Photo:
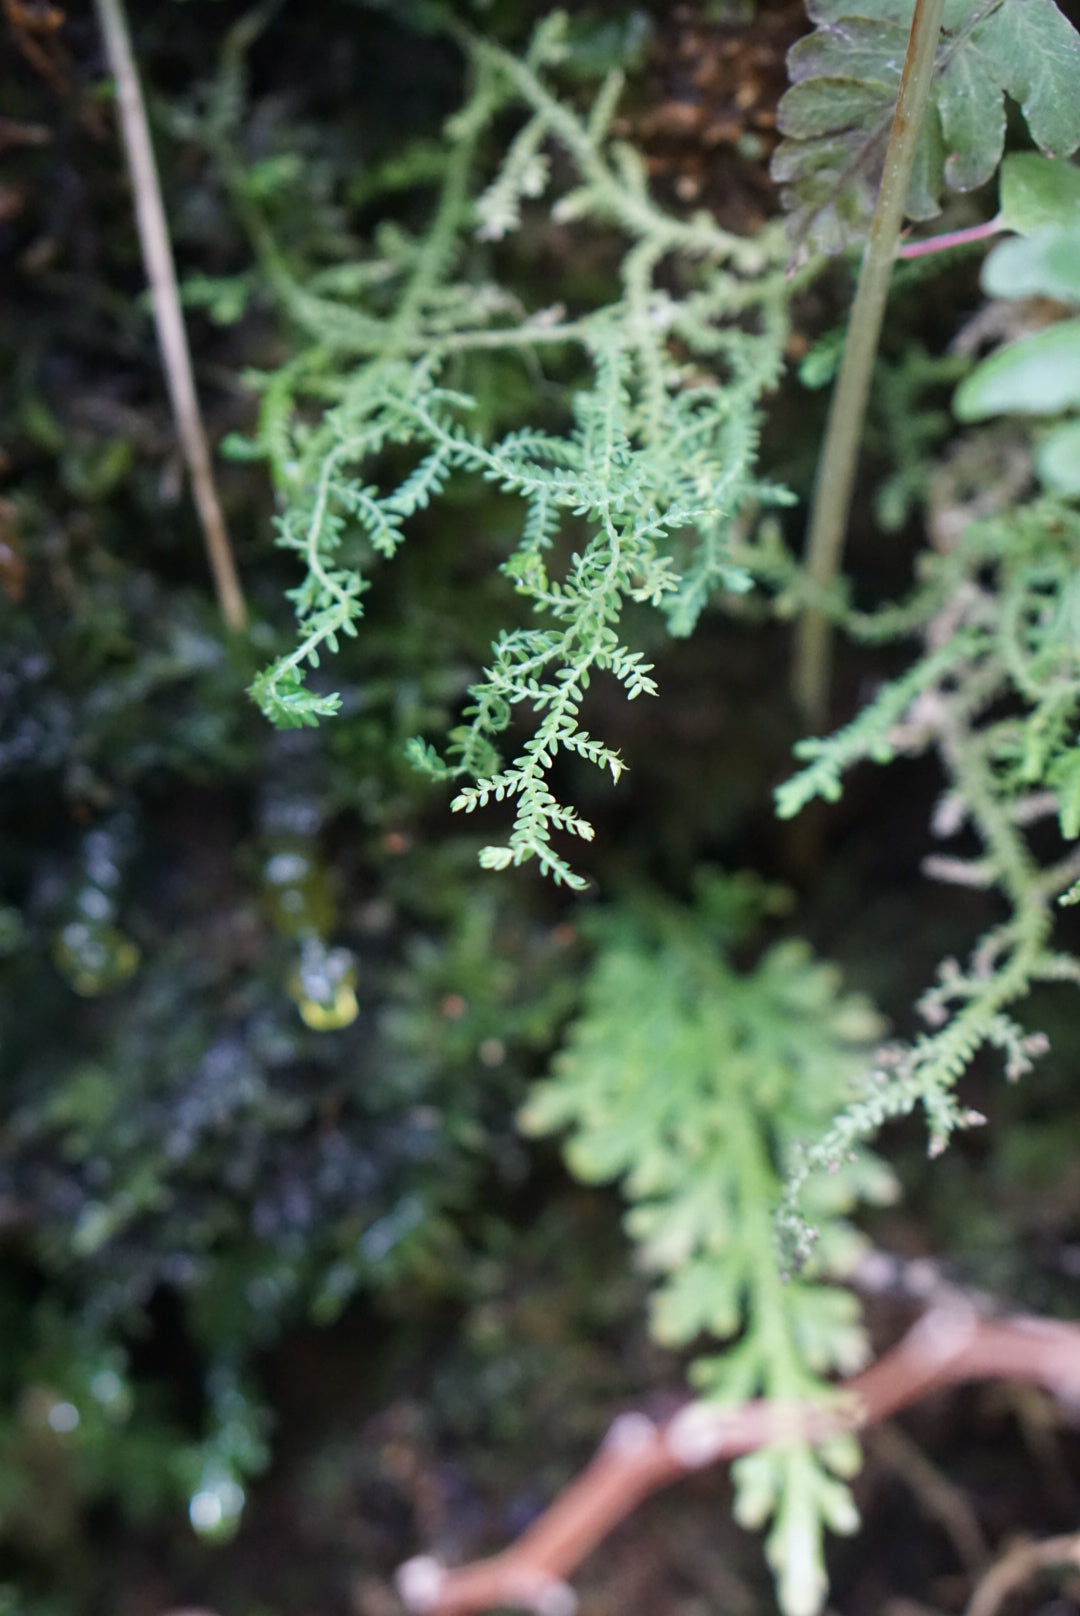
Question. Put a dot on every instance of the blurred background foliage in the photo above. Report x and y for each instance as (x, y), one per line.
(263, 1029)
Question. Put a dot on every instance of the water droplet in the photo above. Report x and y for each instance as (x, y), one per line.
(108, 1389)
(94, 904)
(63, 1417)
(215, 1507)
(93, 958)
(342, 1011)
(283, 869)
(323, 986)
(205, 1511)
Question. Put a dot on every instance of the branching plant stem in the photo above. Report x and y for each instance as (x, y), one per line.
(950, 1344)
(831, 503)
(168, 317)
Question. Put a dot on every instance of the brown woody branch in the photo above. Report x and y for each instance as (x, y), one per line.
(949, 1344)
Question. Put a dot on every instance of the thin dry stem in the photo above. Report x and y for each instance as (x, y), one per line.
(168, 317)
(1018, 1566)
(939, 1498)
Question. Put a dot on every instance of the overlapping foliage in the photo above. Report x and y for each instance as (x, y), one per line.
(648, 479)
(845, 77)
(996, 693)
(656, 462)
(273, 1117)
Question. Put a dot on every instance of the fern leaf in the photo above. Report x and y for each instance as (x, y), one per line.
(689, 1082)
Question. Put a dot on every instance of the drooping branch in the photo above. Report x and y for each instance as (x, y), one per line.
(951, 1343)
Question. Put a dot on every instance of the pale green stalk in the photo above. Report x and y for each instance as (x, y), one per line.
(836, 469)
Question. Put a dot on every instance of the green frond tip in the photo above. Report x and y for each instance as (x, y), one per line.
(503, 858)
(1064, 776)
(871, 735)
(426, 760)
(283, 698)
(235, 446)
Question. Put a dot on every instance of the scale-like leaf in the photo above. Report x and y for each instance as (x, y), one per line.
(845, 78)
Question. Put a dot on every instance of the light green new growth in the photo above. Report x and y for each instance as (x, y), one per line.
(643, 485)
(690, 1082)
